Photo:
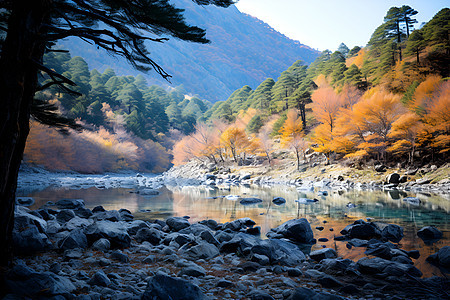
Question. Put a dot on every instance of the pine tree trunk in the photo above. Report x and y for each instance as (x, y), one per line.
(18, 81)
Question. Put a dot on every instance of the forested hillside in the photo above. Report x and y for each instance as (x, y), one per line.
(242, 49)
(388, 102)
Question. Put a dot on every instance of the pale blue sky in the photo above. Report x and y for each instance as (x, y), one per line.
(324, 24)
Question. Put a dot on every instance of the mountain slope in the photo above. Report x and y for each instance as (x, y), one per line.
(243, 50)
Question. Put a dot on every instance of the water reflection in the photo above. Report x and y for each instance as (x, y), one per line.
(330, 212)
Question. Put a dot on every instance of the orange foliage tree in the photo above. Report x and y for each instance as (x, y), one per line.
(292, 135)
(236, 141)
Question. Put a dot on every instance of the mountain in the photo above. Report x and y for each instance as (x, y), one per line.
(243, 51)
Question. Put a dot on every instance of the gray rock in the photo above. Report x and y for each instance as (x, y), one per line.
(83, 212)
(177, 223)
(250, 200)
(304, 293)
(202, 251)
(278, 200)
(329, 281)
(115, 232)
(321, 254)
(109, 215)
(391, 232)
(279, 252)
(25, 201)
(74, 239)
(361, 229)
(151, 235)
(259, 295)
(76, 223)
(260, 259)
(101, 244)
(100, 279)
(75, 253)
(133, 227)
(298, 230)
(23, 218)
(149, 259)
(429, 233)
(126, 215)
(23, 281)
(70, 203)
(192, 270)
(30, 241)
(119, 256)
(393, 178)
(378, 265)
(444, 256)
(65, 216)
(212, 224)
(209, 237)
(162, 286)
(224, 283)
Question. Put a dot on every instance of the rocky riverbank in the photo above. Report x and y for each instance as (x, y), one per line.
(428, 178)
(67, 251)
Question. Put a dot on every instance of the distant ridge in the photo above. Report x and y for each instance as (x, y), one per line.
(243, 51)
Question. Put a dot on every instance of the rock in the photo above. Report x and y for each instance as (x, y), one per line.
(162, 286)
(391, 232)
(23, 219)
(30, 240)
(249, 266)
(64, 216)
(126, 215)
(115, 232)
(393, 178)
(358, 243)
(182, 239)
(75, 253)
(134, 226)
(279, 252)
(380, 168)
(254, 231)
(259, 295)
(298, 230)
(100, 279)
(109, 215)
(83, 212)
(412, 200)
(74, 239)
(350, 289)
(328, 281)
(177, 223)
(149, 259)
(70, 203)
(76, 223)
(24, 201)
(323, 240)
(119, 256)
(260, 259)
(278, 200)
(224, 283)
(250, 200)
(361, 230)
(192, 270)
(98, 208)
(151, 235)
(148, 192)
(23, 281)
(101, 244)
(378, 265)
(245, 177)
(208, 237)
(202, 251)
(304, 293)
(429, 233)
(318, 255)
(441, 258)
(336, 266)
(294, 272)
(212, 224)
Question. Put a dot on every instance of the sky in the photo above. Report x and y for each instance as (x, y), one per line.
(324, 24)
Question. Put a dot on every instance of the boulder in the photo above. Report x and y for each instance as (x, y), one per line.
(297, 230)
(76, 223)
(73, 239)
(126, 215)
(119, 256)
(30, 240)
(177, 223)
(151, 235)
(25, 201)
(192, 270)
(441, 258)
(259, 295)
(361, 230)
(278, 200)
(380, 168)
(101, 244)
(162, 286)
(391, 232)
(83, 212)
(279, 252)
(70, 203)
(65, 216)
(379, 265)
(203, 250)
(134, 226)
(100, 279)
(23, 281)
(109, 215)
(429, 233)
(321, 254)
(23, 219)
(250, 200)
(304, 293)
(393, 178)
(209, 237)
(115, 232)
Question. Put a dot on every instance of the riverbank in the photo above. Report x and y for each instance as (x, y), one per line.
(427, 178)
(67, 250)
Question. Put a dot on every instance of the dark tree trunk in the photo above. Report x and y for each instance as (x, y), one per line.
(18, 80)
(303, 115)
(399, 41)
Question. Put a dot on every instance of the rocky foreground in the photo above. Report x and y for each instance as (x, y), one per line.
(67, 251)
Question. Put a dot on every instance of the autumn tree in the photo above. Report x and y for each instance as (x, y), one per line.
(235, 140)
(31, 27)
(404, 132)
(292, 135)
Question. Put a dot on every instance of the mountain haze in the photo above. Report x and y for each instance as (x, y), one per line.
(243, 50)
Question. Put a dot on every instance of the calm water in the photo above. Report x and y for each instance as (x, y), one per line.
(330, 212)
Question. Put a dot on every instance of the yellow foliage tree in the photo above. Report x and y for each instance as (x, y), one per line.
(404, 132)
(236, 141)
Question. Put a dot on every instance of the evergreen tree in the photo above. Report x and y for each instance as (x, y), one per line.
(262, 96)
(343, 49)
(415, 44)
(255, 124)
(130, 98)
(354, 51)
(407, 14)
